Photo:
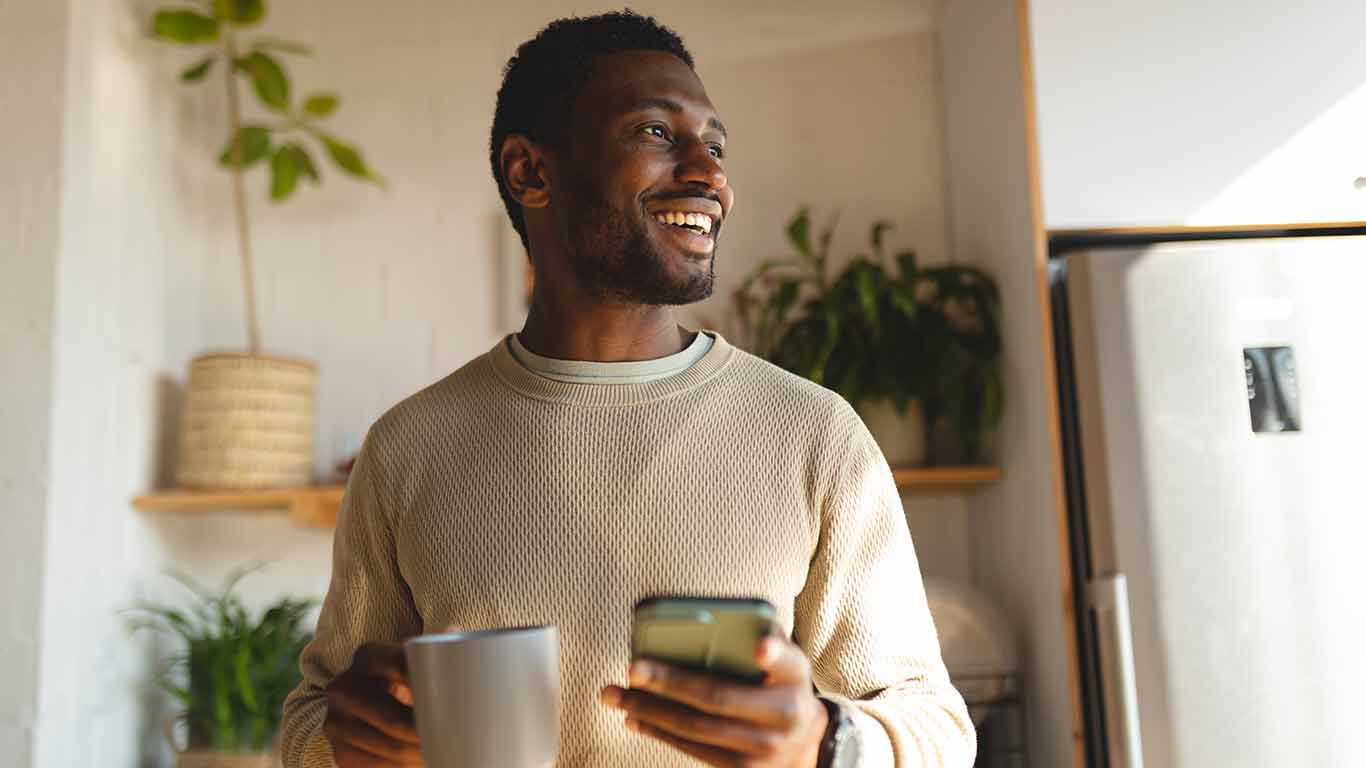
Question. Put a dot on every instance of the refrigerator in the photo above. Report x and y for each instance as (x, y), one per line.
(1213, 405)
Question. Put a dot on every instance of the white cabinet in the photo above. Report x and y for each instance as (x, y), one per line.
(1173, 113)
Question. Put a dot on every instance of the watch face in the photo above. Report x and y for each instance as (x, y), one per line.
(846, 746)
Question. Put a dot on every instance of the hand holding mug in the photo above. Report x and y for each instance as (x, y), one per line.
(370, 720)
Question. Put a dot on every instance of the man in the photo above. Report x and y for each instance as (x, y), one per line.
(605, 454)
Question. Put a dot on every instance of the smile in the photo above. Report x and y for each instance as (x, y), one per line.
(691, 231)
(697, 222)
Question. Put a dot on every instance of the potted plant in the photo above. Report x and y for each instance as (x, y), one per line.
(915, 340)
(233, 674)
(248, 418)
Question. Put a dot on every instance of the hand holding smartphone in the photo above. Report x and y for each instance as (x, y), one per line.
(717, 680)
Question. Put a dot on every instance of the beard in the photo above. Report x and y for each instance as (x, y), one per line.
(613, 257)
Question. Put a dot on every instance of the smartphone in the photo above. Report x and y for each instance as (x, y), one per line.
(708, 634)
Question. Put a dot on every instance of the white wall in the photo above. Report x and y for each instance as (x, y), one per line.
(854, 129)
(387, 291)
(1174, 112)
(32, 45)
(1015, 533)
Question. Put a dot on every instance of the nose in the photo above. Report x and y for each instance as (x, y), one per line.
(698, 166)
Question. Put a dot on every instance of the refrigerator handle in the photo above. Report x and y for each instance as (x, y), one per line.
(1109, 597)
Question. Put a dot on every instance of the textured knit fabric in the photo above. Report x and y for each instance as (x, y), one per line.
(594, 372)
(500, 498)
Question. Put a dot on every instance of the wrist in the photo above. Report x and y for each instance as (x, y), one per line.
(820, 723)
(839, 744)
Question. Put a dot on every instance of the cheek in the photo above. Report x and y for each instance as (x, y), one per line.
(727, 200)
(636, 173)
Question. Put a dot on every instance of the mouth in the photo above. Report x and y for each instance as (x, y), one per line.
(693, 231)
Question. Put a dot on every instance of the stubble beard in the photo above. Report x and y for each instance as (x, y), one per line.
(614, 258)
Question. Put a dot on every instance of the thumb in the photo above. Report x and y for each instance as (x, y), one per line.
(783, 662)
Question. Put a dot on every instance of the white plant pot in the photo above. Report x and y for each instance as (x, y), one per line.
(900, 435)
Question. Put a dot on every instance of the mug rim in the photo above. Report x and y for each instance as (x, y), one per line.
(455, 637)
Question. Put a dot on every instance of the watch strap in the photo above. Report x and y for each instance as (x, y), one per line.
(838, 730)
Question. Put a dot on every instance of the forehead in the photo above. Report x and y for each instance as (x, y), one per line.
(618, 81)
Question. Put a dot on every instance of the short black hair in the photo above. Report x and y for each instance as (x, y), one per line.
(541, 81)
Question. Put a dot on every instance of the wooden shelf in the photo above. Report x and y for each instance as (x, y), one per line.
(945, 479)
(315, 507)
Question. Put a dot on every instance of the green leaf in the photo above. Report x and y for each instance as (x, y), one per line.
(876, 236)
(865, 280)
(197, 72)
(321, 104)
(267, 78)
(832, 336)
(255, 146)
(799, 233)
(905, 261)
(349, 159)
(993, 399)
(284, 174)
(283, 46)
(286, 166)
(823, 249)
(782, 298)
(306, 169)
(242, 13)
(903, 299)
(185, 27)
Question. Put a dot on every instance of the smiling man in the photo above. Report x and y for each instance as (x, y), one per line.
(605, 454)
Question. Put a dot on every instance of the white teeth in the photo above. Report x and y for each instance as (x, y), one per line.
(678, 218)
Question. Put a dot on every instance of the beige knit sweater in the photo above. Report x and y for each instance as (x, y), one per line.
(497, 497)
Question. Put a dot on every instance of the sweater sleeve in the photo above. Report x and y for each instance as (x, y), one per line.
(863, 620)
(367, 601)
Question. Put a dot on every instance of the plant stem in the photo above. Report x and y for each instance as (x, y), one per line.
(239, 190)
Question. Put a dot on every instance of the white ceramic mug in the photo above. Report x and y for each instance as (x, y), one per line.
(487, 699)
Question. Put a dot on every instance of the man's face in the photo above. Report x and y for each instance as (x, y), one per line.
(640, 194)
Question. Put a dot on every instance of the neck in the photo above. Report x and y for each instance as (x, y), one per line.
(600, 331)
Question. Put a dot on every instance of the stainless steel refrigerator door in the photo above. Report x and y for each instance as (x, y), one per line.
(1243, 551)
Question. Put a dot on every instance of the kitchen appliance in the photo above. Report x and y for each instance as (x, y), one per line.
(1213, 402)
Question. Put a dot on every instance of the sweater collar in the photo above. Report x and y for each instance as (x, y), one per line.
(516, 376)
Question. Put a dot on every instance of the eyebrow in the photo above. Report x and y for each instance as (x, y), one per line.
(669, 105)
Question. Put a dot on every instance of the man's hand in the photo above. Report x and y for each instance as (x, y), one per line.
(725, 723)
(370, 711)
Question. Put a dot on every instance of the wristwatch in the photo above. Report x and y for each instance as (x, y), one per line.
(840, 745)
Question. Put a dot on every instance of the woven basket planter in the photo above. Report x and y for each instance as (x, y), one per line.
(204, 758)
(247, 423)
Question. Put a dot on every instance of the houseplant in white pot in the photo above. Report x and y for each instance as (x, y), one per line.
(248, 417)
(915, 350)
(232, 676)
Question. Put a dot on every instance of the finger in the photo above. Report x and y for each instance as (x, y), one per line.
(737, 736)
(784, 662)
(346, 756)
(382, 712)
(707, 754)
(710, 693)
(402, 693)
(368, 743)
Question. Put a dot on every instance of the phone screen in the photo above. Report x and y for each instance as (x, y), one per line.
(717, 635)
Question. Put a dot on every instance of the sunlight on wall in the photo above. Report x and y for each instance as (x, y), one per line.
(1308, 178)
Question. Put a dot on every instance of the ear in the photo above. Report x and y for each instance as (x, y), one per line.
(526, 172)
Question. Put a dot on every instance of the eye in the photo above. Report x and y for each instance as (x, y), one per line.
(717, 151)
(656, 130)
